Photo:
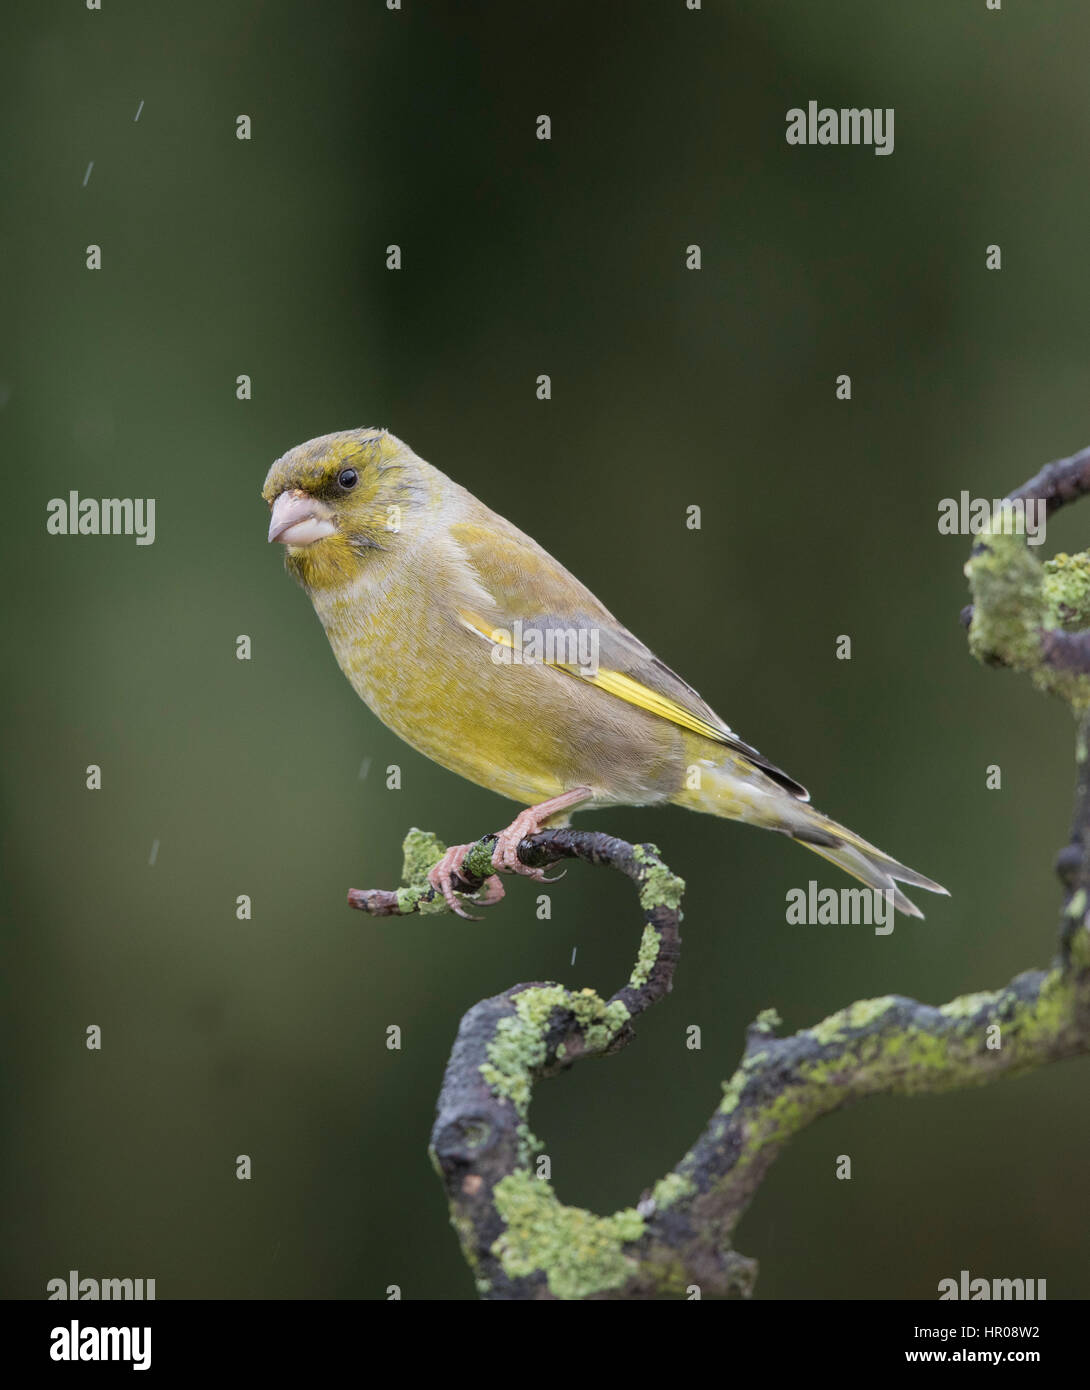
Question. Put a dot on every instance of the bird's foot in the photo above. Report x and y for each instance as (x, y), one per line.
(442, 876)
(505, 857)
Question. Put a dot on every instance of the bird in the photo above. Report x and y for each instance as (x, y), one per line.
(484, 653)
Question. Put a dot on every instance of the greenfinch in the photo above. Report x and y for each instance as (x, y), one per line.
(484, 653)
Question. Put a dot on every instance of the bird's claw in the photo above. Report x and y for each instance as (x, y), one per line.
(490, 892)
(505, 857)
(441, 876)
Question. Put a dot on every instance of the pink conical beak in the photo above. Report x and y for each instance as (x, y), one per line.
(298, 519)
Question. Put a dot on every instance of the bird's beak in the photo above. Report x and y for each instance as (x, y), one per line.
(299, 520)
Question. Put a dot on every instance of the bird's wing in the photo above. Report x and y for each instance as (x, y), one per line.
(529, 590)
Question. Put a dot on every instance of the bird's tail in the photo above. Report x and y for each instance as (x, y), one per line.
(744, 793)
(864, 861)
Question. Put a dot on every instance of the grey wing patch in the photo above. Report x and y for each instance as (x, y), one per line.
(621, 649)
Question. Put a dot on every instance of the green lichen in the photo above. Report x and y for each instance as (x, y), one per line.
(513, 1053)
(528, 1144)
(1015, 597)
(969, 1006)
(862, 1013)
(1067, 590)
(732, 1092)
(421, 850)
(579, 1253)
(1009, 602)
(467, 1239)
(658, 886)
(1053, 1012)
(613, 1018)
(911, 1053)
(517, 1049)
(907, 1059)
(478, 862)
(420, 900)
(671, 1189)
(650, 945)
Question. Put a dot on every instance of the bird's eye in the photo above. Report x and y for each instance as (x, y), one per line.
(348, 477)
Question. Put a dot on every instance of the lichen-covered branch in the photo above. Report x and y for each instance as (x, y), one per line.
(890, 1046)
(1034, 618)
(520, 1240)
(1030, 616)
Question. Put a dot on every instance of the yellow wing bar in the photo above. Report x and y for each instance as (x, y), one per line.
(636, 693)
(627, 688)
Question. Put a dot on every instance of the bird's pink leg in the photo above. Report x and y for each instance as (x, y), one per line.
(529, 822)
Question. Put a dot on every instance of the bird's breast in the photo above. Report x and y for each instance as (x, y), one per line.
(527, 731)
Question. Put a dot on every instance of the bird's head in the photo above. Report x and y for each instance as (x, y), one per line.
(338, 500)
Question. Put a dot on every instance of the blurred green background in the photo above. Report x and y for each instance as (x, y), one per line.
(670, 388)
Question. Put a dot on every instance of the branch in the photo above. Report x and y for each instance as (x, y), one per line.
(1029, 616)
(1035, 618)
(519, 1240)
(888, 1046)
(522, 1242)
